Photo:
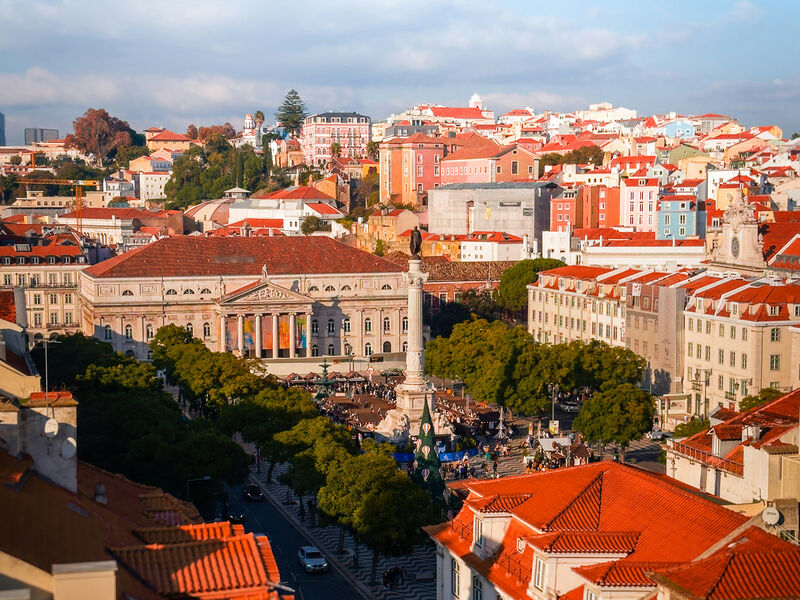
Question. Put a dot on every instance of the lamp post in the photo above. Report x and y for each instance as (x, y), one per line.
(188, 481)
(45, 342)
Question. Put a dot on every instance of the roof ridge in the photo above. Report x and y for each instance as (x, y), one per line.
(579, 496)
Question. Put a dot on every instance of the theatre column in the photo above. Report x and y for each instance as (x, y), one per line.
(222, 333)
(240, 334)
(275, 336)
(308, 334)
(257, 333)
(292, 340)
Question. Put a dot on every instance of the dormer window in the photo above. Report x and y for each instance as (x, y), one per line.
(520, 545)
(539, 574)
(774, 310)
(477, 534)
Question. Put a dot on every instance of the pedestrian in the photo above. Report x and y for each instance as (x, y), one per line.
(494, 468)
(386, 580)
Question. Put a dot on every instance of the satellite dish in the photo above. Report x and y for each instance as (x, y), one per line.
(51, 428)
(68, 448)
(771, 515)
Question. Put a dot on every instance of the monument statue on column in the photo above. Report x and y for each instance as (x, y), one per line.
(414, 392)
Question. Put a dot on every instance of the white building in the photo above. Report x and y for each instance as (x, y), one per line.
(494, 245)
(150, 184)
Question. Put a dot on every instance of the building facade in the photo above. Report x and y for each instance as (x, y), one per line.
(268, 297)
(351, 131)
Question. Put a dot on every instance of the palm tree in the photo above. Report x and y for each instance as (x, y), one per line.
(336, 149)
(258, 117)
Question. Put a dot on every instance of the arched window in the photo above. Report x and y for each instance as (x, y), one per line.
(314, 327)
(313, 288)
(127, 293)
(367, 325)
(331, 350)
(346, 325)
(149, 355)
(186, 292)
(386, 286)
(405, 346)
(405, 324)
(387, 346)
(346, 288)
(148, 332)
(368, 349)
(130, 354)
(206, 330)
(330, 288)
(129, 332)
(38, 337)
(387, 324)
(107, 332)
(190, 328)
(205, 291)
(171, 293)
(314, 350)
(348, 349)
(331, 326)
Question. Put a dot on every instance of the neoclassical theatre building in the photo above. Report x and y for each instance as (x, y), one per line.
(267, 297)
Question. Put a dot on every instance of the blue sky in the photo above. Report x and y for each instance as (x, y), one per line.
(203, 62)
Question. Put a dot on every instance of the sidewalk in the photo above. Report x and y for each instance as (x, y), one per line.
(420, 565)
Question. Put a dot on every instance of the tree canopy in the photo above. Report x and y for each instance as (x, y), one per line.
(764, 395)
(619, 414)
(691, 427)
(292, 112)
(512, 293)
(311, 224)
(584, 155)
(98, 133)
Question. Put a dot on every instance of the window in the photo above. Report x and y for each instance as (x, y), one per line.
(67, 298)
(690, 348)
(128, 332)
(721, 356)
(387, 346)
(477, 588)
(708, 327)
(330, 288)
(722, 331)
(330, 350)
(744, 361)
(455, 580)
(775, 335)
(689, 323)
(405, 324)
(205, 291)
(6, 279)
(331, 326)
(721, 382)
(313, 288)
(37, 298)
(405, 346)
(148, 332)
(346, 288)
(53, 299)
(708, 353)
(127, 293)
(733, 359)
(106, 332)
(190, 329)
(207, 330)
(367, 349)
(387, 324)
(367, 325)
(314, 327)
(774, 362)
(514, 167)
(68, 318)
(538, 574)
(744, 334)
(171, 293)
(346, 325)
(37, 321)
(386, 286)
(733, 332)
(591, 595)
(774, 311)
(53, 318)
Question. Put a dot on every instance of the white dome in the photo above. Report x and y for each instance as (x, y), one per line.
(475, 101)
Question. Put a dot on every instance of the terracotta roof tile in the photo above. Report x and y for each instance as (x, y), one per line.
(621, 573)
(8, 311)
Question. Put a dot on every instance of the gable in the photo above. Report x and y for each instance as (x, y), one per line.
(260, 291)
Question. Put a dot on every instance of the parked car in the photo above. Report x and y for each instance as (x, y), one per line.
(312, 560)
(236, 517)
(657, 435)
(569, 406)
(252, 493)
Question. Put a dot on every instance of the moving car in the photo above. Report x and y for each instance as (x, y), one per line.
(252, 493)
(569, 406)
(657, 435)
(312, 560)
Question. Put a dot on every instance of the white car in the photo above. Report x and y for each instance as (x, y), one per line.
(657, 435)
(569, 407)
(312, 560)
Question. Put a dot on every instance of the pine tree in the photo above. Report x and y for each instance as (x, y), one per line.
(292, 112)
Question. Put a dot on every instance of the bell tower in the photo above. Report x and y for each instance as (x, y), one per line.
(740, 246)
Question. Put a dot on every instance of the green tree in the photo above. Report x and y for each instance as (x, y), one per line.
(379, 251)
(512, 293)
(617, 414)
(7, 185)
(98, 133)
(72, 356)
(191, 131)
(292, 112)
(367, 190)
(266, 154)
(373, 149)
(683, 430)
(15, 160)
(336, 149)
(125, 155)
(764, 395)
(311, 224)
(258, 117)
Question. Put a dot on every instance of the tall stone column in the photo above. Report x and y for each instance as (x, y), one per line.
(292, 340)
(415, 357)
(275, 336)
(257, 334)
(240, 334)
(222, 333)
(308, 334)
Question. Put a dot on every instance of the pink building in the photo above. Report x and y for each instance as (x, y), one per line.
(350, 130)
(488, 163)
(639, 202)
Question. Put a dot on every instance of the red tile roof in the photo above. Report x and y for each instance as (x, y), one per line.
(297, 192)
(8, 310)
(169, 136)
(324, 209)
(621, 573)
(190, 256)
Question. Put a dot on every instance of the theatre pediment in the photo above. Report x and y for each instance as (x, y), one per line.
(264, 292)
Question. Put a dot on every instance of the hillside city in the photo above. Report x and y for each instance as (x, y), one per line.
(448, 354)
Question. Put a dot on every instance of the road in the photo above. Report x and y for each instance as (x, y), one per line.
(263, 517)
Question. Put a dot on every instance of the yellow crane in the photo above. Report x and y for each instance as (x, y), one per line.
(76, 183)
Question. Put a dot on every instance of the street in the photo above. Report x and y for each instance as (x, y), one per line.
(262, 517)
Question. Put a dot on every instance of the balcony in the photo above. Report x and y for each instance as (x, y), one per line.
(735, 467)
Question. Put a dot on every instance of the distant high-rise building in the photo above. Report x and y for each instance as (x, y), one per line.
(33, 135)
(2, 129)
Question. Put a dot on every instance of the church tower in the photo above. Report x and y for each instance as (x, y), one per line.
(249, 124)
(740, 247)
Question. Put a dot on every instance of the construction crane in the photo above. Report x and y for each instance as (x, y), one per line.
(76, 183)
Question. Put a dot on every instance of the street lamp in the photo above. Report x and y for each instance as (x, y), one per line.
(553, 391)
(45, 342)
(188, 481)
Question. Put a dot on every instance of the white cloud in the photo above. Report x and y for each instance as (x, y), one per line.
(744, 12)
(38, 86)
(539, 101)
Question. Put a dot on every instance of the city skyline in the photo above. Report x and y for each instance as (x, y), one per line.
(210, 63)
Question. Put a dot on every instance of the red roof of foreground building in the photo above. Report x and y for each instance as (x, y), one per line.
(192, 256)
(8, 310)
(650, 521)
(455, 112)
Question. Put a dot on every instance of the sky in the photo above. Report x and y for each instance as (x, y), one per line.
(205, 62)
